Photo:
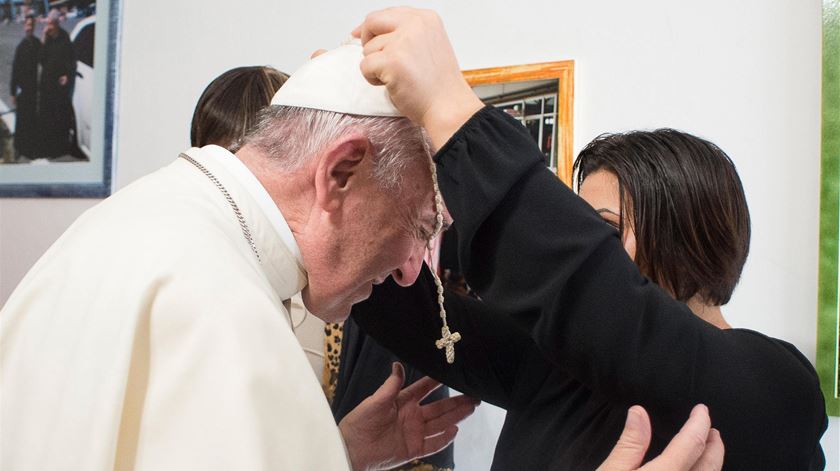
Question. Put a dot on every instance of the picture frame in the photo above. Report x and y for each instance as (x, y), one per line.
(828, 328)
(509, 84)
(85, 168)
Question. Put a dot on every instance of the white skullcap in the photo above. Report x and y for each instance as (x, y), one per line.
(334, 82)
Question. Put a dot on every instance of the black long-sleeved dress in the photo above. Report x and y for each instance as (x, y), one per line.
(569, 334)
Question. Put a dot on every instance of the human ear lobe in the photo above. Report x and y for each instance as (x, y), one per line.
(339, 169)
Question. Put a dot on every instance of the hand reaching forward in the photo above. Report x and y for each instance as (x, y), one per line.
(697, 446)
(391, 427)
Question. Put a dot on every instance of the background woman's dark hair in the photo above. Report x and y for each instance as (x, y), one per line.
(689, 212)
(229, 105)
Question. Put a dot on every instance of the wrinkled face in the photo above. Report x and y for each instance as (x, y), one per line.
(383, 233)
(601, 190)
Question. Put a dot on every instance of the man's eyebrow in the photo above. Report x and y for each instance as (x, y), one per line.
(427, 227)
(423, 228)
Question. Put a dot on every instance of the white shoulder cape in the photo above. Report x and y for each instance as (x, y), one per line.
(149, 337)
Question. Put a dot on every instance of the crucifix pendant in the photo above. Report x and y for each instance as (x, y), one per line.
(447, 342)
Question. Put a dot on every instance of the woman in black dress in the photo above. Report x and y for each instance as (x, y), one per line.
(571, 331)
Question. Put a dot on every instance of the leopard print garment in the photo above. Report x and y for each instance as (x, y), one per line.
(418, 465)
(332, 357)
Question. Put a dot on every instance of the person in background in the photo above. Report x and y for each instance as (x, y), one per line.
(8, 8)
(55, 100)
(229, 105)
(24, 91)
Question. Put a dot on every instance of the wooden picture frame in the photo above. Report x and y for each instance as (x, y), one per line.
(563, 73)
(828, 318)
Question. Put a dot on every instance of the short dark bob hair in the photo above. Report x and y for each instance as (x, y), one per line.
(229, 105)
(684, 201)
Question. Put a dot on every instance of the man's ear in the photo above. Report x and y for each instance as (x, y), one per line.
(343, 165)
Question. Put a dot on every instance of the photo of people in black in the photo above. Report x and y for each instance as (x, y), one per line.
(46, 68)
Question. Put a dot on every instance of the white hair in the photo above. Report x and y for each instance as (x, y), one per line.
(290, 136)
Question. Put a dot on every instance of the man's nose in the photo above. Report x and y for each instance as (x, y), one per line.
(406, 274)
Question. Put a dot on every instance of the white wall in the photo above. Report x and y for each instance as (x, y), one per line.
(744, 74)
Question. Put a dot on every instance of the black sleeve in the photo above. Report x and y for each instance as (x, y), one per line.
(489, 359)
(532, 248)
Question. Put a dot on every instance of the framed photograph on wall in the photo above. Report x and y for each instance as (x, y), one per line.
(58, 79)
(828, 331)
(541, 97)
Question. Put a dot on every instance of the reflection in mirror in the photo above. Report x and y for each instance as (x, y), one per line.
(540, 96)
(531, 103)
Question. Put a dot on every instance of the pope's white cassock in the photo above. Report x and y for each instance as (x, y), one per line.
(175, 350)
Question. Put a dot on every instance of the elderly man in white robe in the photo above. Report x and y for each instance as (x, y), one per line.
(154, 334)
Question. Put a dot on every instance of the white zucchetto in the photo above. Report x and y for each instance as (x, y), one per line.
(333, 81)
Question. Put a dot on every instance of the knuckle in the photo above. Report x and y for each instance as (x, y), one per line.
(367, 70)
(630, 442)
(373, 17)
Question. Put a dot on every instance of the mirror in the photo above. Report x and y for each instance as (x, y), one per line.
(541, 97)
